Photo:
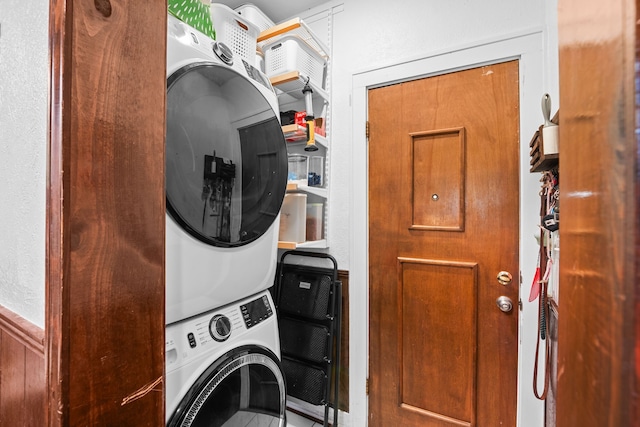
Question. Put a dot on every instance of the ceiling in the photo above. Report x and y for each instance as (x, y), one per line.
(277, 10)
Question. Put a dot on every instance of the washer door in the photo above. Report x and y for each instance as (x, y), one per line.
(244, 387)
(226, 157)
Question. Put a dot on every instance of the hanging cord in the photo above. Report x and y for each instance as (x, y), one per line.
(542, 325)
(548, 190)
(543, 328)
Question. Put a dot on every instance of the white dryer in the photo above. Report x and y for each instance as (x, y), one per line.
(226, 173)
(223, 368)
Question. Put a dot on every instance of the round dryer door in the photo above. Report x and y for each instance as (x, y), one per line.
(243, 388)
(226, 158)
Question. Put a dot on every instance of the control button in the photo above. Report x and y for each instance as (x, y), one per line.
(192, 340)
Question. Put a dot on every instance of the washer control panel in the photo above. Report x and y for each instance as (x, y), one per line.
(188, 339)
(256, 311)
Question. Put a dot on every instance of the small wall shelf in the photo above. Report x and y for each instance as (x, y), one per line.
(540, 161)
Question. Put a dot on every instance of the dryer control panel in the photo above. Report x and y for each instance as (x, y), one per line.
(258, 75)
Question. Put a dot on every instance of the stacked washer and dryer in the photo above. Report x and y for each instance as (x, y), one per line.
(226, 173)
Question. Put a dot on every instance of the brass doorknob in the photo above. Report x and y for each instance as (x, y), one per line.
(504, 304)
(504, 278)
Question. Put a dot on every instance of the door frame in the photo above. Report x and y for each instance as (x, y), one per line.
(525, 46)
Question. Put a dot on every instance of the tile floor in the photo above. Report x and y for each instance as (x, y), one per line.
(251, 419)
(295, 420)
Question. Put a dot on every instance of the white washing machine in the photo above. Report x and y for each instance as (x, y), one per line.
(223, 368)
(226, 173)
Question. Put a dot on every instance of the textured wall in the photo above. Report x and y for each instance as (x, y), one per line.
(24, 71)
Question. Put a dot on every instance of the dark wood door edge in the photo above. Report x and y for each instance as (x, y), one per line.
(60, 90)
(106, 131)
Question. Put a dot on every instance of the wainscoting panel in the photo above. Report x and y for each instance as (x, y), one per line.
(22, 372)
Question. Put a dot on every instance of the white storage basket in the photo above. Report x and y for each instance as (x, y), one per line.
(254, 15)
(235, 31)
(291, 53)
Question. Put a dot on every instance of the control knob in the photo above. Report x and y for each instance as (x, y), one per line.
(220, 327)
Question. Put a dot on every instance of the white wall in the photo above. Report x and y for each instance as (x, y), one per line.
(24, 79)
(371, 35)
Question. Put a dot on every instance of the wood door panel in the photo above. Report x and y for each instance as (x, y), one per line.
(22, 371)
(457, 136)
(12, 377)
(438, 168)
(34, 389)
(438, 302)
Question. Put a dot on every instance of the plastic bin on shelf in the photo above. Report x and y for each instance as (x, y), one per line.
(236, 32)
(253, 14)
(314, 221)
(293, 218)
(298, 166)
(316, 171)
(290, 53)
(300, 29)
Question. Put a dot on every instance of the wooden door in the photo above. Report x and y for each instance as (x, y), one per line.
(443, 222)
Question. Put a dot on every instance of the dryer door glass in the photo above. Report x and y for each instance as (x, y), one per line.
(244, 389)
(226, 158)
